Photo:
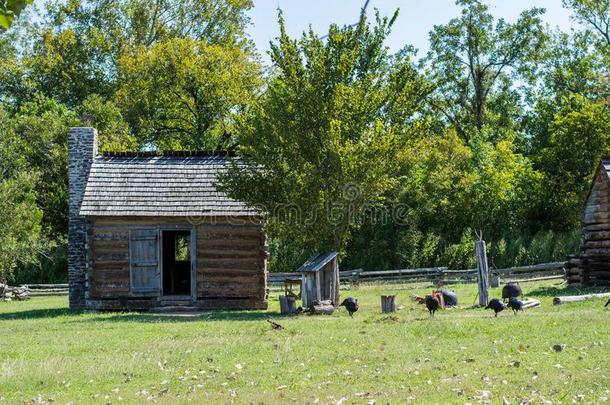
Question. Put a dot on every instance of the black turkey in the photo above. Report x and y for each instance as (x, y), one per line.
(511, 290)
(351, 304)
(433, 304)
(515, 304)
(496, 305)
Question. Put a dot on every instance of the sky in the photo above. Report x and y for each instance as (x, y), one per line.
(415, 21)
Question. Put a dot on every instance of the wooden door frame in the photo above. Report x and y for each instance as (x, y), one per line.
(193, 231)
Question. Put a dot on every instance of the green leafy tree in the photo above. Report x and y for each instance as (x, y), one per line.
(573, 66)
(213, 22)
(42, 126)
(567, 129)
(594, 14)
(20, 216)
(453, 186)
(19, 223)
(184, 93)
(113, 131)
(68, 65)
(325, 139)
(9, 10)
(76, 51)
(472, 61)
(579, 136)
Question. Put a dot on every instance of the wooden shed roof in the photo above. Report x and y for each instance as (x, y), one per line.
(605, 164)
(149, 184)
(601, 173)
(317, 261)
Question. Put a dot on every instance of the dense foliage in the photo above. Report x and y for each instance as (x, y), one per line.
(391, 160)
(9, 10)
(329, 133)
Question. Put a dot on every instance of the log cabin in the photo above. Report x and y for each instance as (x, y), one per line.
(149, 231)
(591, 266)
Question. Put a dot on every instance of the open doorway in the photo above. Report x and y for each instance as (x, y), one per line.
(177, 263)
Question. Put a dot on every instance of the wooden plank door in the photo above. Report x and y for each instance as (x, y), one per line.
(145, 271)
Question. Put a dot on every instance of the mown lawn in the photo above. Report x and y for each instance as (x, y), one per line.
(463, 356)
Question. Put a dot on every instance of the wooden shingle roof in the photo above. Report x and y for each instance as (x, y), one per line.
(316, 262)
(147, 184)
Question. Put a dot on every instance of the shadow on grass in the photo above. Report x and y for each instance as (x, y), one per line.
(561, 291)
(206, 316)
(118, 316)
(38, 314)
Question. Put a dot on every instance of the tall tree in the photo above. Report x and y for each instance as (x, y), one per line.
(184, 93)
(76, 50)
(42, 126)
(325, 139)
(20, 216)
(579, 136)
(567, 128)
(471, 62)
(593, 13)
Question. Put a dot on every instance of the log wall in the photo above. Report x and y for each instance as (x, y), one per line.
(231, 263)
(591, 267)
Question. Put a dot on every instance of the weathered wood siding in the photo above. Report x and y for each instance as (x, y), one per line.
(591, 267)
(597, 208)
(108, 275)
(321, 285)
(231, 261)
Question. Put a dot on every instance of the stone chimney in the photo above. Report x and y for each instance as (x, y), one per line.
(82, 149)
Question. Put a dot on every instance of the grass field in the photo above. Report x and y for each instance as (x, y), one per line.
(48, 353)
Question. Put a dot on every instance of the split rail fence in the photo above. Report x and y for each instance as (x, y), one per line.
(43, 290)
(442, 275)
(439, 275)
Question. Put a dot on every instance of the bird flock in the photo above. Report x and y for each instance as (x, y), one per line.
(441, 298)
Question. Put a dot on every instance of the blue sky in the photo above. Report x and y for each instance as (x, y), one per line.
(416, 19)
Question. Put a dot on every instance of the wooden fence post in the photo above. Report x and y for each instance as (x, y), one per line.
(482, 272)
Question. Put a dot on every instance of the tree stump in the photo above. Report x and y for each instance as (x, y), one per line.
(495, 281)
(388, 303)
(287, 305)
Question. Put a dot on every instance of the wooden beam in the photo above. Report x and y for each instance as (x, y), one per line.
(576, 298)
(482, 272)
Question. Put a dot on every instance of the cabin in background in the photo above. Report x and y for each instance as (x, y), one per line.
(591, 266)
(150, 230)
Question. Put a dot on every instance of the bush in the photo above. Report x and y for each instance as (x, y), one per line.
(544, 246)
(286, 256)
(51, 268)
(417, 249)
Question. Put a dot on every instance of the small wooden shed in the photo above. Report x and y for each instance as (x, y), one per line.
(591, 266)
(320, 278)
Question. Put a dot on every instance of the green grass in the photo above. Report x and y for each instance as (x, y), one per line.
(465, 355)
